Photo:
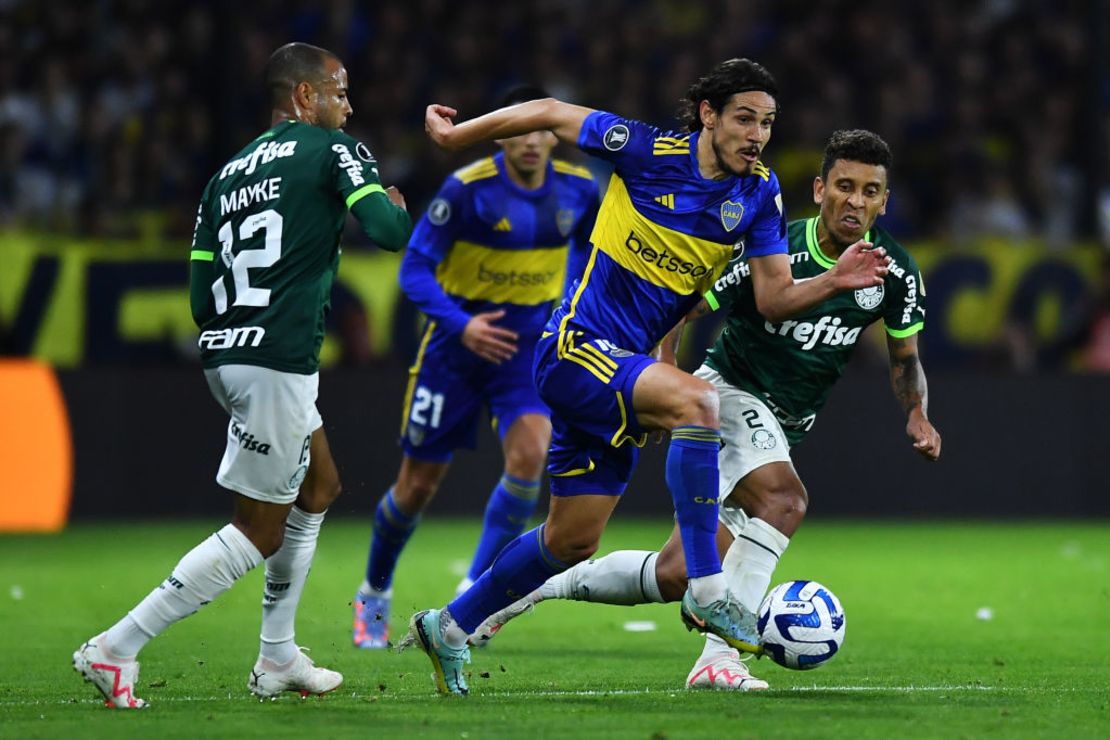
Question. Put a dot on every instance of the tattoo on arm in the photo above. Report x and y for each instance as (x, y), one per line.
(907, 378)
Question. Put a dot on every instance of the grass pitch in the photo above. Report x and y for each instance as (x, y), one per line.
(953, 630)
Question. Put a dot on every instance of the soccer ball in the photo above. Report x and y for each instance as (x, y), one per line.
(801, 625)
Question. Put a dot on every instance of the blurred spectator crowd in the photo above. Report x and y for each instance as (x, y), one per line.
(113, 113)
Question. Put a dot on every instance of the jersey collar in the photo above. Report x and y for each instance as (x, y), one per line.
(815, 249)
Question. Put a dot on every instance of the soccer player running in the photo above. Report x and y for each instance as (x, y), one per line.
(677, 206)
(485, 264)
(265, 251)
(772, 378)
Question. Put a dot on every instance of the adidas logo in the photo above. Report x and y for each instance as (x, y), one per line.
(503, 224)
(666, 200)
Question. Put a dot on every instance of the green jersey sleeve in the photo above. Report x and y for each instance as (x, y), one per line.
(202, 254)
(904, 314)
(355, 174)
(732, 282)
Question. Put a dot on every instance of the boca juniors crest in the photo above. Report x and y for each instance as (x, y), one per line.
(564, 219)
(731, 214)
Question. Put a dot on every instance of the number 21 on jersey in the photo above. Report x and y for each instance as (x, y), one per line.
(423, 400)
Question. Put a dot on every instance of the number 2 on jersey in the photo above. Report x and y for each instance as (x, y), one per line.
(268, 221)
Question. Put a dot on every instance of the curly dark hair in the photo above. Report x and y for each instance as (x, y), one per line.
(856, 145)
(723, 81)
(293, 64)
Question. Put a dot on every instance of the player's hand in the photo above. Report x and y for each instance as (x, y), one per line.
(438, 124)
(926, 439)
(395, 197)
(860, 266)
(492, 343)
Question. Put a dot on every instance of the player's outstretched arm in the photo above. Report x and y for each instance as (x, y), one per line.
(778, 296)
(907, 378)
(384, 218)
(548, 114)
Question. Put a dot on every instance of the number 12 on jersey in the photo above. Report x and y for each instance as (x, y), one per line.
(270, 223)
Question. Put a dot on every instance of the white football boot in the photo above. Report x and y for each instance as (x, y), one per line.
(268, 679)
(724, 671)
(114, 678)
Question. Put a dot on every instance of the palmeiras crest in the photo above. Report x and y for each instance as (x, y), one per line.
(731, 213)
(869, 298)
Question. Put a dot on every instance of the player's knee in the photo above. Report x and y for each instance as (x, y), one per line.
(697, 404)
(268, 541)
(783, 508)
(319, 496)
(670, 575)
(572, 547)
(525, 460)
(413, 494)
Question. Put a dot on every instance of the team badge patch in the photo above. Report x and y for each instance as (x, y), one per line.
(764, 440)
(416, 435)
(731, 213)
(363, 153)
(439, 212)
(869, 297)
(564, 219)
(298, 477)
(738, 249)
(611, 349)
(616, 137)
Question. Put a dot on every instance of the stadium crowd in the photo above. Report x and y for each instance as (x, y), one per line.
(113, 113)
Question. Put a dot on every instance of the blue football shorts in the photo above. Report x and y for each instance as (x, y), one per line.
(595, 439)
(448, 387)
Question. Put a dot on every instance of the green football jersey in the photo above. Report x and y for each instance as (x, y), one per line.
(794, 364)
(266, 245)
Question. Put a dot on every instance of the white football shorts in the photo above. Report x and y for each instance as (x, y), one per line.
(273, 416)
(752, 438)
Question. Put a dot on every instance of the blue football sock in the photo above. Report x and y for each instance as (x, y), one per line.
(692, 477)
(510, 505)
(519, 569)
(392, 530)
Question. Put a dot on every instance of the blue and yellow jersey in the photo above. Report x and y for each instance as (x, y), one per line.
(497, 245)
(663, 234)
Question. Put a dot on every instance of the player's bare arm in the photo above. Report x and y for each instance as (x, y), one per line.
(907, 378)
(562, 119)
(484, 338)
(778, 296)
(702, 309)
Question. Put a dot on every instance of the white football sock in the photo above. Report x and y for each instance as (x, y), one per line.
(203, 574)
(748, 566)
(707, 589)
(370, 592)
(624, 577)
(286, 572)
(751, 560)
(450, 630)
(715, 646)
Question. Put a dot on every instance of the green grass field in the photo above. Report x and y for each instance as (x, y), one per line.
(917, 661)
